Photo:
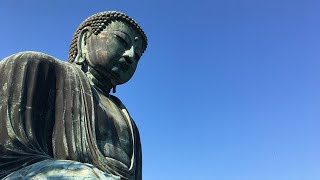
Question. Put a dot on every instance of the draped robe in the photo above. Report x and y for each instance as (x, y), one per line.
(47, 112)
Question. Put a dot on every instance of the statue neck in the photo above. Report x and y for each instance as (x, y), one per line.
(104, 85)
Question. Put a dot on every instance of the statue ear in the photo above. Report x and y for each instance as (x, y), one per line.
(81, 45)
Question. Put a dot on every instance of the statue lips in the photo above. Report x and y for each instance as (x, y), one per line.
(122, 66)
(125, 63)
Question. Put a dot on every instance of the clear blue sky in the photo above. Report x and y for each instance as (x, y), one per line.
(227, 90)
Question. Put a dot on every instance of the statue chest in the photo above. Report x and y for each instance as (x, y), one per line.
(113, 130)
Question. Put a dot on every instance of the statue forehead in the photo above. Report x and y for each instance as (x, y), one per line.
(122, 26)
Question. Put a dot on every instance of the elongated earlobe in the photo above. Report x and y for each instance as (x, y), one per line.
(114, 89)
(82, 47)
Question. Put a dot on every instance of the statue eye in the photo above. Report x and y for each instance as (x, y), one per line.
(122, 40)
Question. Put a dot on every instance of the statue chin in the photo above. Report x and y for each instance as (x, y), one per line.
(122, 74)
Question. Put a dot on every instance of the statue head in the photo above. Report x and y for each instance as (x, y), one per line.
(109, 45)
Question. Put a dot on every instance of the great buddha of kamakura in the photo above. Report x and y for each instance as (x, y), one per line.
(58, 119)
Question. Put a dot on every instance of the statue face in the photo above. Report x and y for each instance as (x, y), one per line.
(115, 52)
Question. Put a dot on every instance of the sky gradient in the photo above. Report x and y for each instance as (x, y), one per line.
(226, 90)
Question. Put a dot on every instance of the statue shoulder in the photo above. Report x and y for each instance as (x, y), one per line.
(29, 56)
(32, 58)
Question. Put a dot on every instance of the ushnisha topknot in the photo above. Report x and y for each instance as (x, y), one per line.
(98, 22)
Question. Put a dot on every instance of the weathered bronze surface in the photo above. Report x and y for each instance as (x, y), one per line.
(52, 111)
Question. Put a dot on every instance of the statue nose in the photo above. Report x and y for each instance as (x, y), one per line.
(129, 55)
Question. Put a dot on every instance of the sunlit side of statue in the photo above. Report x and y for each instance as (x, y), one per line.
(58, 119)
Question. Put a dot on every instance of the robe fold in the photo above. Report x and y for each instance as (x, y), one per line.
(47, 112)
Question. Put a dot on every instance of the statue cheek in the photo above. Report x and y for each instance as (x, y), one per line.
(106, 58)
(103, 55)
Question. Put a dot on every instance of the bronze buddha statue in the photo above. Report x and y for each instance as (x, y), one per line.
(58, 119)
